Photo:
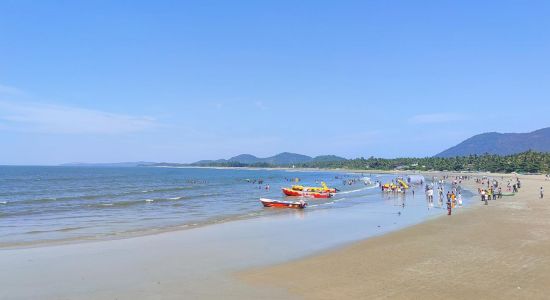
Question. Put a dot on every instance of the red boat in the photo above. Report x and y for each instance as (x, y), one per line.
(294, 193)
(284, 204)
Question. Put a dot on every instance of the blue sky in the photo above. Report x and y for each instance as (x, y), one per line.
(179, 81)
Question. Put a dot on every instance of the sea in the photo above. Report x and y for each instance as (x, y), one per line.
(50, 204)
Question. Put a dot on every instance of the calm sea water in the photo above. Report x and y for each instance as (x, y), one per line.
(40, 204)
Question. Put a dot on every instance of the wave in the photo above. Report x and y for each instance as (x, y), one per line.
(66, 229)
(45, 209)
(136, 202)
(98, 196)
(358, 190)
(338, 200)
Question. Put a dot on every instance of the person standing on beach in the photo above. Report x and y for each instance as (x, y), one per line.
(453, 200)
(541, 192)
(449, 207)
(459, 199)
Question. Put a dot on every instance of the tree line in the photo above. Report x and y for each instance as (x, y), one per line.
(526, 162)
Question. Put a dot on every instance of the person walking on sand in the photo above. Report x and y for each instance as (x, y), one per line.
(541, 192)
(449, 207)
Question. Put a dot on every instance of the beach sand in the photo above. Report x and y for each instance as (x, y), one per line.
(499, 251)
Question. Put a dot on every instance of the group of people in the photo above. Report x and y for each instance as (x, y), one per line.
(454, 195)
(254, 181)
(492, 190)
(490, 194)
(260, 183)
(452, 200)
(351, 181)
(196, 181)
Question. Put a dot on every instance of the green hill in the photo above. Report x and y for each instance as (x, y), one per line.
(501, 144)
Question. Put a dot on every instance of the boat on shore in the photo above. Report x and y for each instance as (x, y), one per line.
(294, 193)
(283, 204)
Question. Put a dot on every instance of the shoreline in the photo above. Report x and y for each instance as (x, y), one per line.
(188, 262)
(184, 226)
(497, 251)
(136, 233)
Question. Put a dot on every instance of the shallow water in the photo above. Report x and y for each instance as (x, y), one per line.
(41, 204)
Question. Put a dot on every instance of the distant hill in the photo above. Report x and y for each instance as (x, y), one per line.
(287, 158)
(205, 162)
(328, 158)
(246, 159)
(120, 164)
(501, 144)
(281, 159)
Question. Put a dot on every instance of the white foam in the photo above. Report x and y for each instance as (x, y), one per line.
(338, 200)
(149, 200)
(358, 190)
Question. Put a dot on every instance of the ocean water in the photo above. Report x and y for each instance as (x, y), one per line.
(45, 204)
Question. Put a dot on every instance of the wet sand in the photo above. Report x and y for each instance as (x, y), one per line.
(199, 263)
(499, 251)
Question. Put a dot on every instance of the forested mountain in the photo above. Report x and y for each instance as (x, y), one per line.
(501, 144)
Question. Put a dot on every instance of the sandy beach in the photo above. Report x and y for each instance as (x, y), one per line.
(188, 261)
(498, 251)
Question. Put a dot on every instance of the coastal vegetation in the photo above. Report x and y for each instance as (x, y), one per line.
(525, 162)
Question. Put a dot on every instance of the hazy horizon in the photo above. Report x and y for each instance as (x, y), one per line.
(181, 82)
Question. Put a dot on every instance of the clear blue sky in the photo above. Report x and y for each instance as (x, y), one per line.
(99, 81)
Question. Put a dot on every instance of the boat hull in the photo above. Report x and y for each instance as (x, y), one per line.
(283, 204)
(294, 193)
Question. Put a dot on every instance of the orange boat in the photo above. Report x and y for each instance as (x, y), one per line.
(295, 193)
(283, 204)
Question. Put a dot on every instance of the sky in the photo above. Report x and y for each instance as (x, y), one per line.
(180, 81)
